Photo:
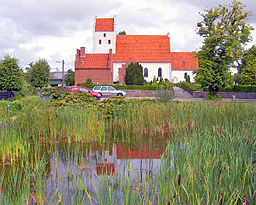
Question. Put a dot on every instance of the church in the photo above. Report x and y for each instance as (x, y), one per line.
(113, 53)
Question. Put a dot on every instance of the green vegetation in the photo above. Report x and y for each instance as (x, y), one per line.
(247, 69)
(240, 88)
(213, 147)
(11, 76)
(225, 33)
(39, 73)
(134, 74)
(122, 33)
(153, 86)
(70, 78)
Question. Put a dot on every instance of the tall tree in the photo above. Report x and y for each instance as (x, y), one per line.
(134, 74)
(247, 68)
(39, 73)
(225, 33)
(11, 76)
(70, 77)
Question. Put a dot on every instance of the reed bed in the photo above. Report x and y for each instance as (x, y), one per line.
(210, 157)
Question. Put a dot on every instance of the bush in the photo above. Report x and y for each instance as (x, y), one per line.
(240, 88)
(189, 87)
(165, 93)
(62, 98)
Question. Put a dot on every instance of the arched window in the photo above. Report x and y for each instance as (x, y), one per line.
(145, 73)
(109, 41)
(185, 76)
(159, 72)
(100, 41)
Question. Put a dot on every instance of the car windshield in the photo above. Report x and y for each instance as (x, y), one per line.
(104, 88)
(96, 88)
(84, 90)
(111, 88)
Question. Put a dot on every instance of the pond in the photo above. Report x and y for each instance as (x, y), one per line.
(123, 153)
(91, 168)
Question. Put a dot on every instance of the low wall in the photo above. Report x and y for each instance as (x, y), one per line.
(140, 93)
(238, 95)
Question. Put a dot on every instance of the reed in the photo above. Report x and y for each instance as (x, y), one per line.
(213, 148)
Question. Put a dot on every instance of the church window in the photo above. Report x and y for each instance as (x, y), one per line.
(109, 41)
(99, 41)
(82, 62)
(185, 76)
(159, 72)
(145, 72)
(104, 35)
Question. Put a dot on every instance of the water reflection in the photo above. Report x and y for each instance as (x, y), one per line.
(93, 165)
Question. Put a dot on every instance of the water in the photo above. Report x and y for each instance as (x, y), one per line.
(92, 165)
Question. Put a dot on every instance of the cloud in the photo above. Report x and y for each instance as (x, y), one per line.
(55, 29)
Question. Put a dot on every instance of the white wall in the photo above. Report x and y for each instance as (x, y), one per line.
(104, 46)
(115, 71)
(178, 75)
(153, 70)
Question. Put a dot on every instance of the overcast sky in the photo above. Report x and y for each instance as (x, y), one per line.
(54, 29)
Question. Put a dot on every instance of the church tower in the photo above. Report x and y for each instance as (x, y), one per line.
(104, 36)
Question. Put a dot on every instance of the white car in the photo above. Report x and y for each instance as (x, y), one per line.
(106, 90)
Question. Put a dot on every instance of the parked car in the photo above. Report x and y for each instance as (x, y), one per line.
(106, 90)
(79, 89)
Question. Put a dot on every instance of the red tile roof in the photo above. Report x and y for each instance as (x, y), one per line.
(94, 61)
(184, 61)
(142, 48)
(104, 24)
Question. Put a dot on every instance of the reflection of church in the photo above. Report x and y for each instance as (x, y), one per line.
(113, 53)
(121, 157)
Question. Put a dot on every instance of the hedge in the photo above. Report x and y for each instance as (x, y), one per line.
(240, 88)
(154, 86)
(189, 87)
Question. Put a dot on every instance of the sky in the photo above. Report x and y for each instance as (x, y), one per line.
(34, 29)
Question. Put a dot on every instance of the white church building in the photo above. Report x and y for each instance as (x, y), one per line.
(113, 53)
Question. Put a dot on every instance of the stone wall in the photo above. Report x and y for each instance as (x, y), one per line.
(140, 93)
(238, 95)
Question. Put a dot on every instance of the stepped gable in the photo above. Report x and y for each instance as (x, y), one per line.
(104, 24)
(142, 48)
(94, 61)
(184, 61)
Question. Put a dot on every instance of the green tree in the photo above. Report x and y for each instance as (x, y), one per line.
(247, 68)
(11, 76)
(39, 73)
(70, 77)
(225, 33)
(134, 74)
(122, 33)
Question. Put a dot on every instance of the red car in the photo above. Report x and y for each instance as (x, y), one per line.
(78, 89)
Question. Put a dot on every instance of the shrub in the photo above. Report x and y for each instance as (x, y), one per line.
(187, 86)
(165, 93)
(240, 88)
(62, 98)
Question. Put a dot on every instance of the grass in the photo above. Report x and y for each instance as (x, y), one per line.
(210, 157)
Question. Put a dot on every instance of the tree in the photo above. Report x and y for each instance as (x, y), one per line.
(247, 68)
(122, 33)
(70, 77)
(134, 74)
(39, 73)
(11, 76)
(225, 34)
